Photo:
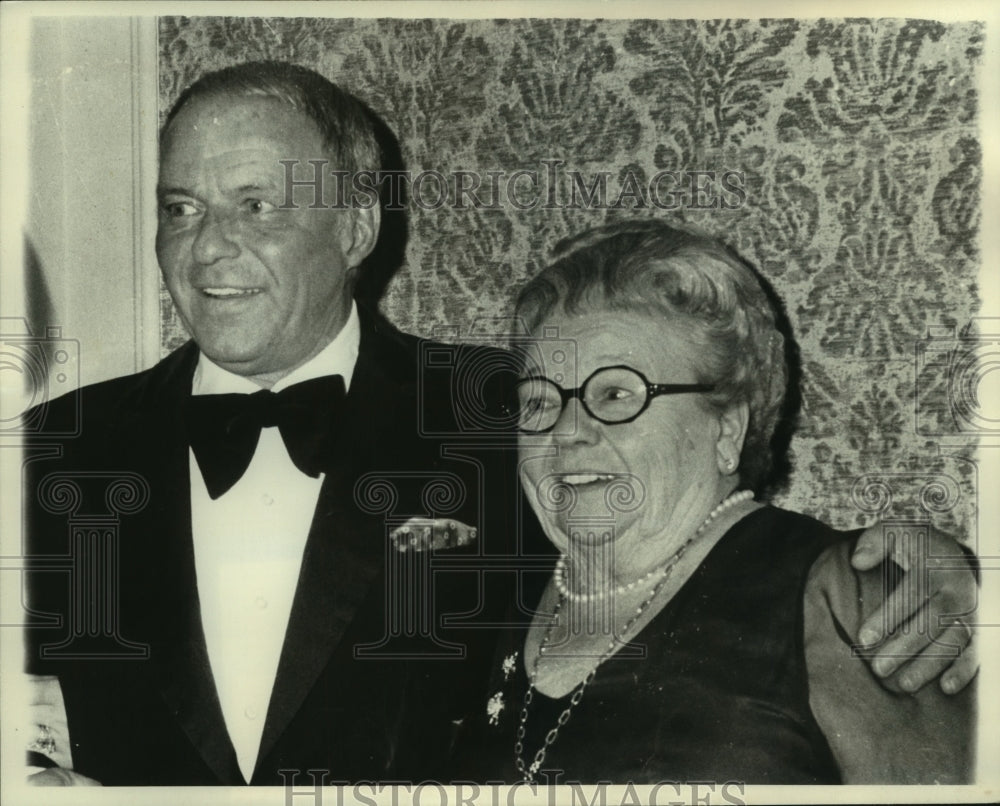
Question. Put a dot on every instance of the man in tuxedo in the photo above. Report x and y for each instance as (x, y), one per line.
(274, 453)
(217, 596)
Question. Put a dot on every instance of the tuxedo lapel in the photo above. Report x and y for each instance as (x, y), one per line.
(163, 591)
(344, 553)
(340, 563)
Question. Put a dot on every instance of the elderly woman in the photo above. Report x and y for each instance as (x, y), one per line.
(689, 630)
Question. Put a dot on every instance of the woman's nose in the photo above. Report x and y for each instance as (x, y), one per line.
(575, 425)
(214, 241)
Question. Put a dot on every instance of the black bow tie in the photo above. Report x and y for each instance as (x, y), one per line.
(224, 429)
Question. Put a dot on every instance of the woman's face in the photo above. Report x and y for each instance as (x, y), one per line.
(658, 475)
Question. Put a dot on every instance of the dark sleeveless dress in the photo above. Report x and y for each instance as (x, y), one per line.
(721, 694)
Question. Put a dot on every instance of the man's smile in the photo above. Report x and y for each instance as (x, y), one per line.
(228, 292)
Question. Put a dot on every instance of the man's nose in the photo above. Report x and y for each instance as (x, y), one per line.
(214, 240)
(575, 426)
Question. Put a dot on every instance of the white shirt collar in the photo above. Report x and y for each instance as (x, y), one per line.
(337, 358)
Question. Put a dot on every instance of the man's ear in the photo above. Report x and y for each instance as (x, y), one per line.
(733, 424)
(362, 234)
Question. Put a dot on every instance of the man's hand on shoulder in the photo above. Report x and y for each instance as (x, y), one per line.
(923, 629)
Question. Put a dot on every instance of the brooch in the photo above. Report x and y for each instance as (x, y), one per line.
(494, 707)
(430, 534)
(509, 664)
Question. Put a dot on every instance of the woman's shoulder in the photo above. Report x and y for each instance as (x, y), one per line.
(795, 525)
(774, 537)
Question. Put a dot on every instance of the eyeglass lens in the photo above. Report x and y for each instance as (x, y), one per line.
(612, 394)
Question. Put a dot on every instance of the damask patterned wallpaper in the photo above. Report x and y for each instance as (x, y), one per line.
(858, 148)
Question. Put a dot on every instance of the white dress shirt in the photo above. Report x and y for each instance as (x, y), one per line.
(248, 546)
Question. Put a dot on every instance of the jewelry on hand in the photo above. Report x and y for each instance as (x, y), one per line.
(44, 743)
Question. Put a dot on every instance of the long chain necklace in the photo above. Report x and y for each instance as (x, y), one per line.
(528, 772)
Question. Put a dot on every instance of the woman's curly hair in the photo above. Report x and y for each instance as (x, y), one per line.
(729, 312)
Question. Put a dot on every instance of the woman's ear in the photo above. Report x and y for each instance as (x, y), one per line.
(732, 431)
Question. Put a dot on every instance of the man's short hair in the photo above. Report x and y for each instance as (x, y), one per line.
(344, 122)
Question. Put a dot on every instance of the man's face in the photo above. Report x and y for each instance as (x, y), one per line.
(262, 289)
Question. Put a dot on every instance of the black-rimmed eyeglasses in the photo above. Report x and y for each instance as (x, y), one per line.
(610, 395)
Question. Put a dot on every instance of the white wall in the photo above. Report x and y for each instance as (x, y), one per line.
(89, 195)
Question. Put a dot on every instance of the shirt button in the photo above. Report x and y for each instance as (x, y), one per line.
(250, 712)
(266, 500)
(261, 603)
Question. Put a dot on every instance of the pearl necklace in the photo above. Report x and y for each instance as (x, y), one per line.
(657, 573)
(528, 772)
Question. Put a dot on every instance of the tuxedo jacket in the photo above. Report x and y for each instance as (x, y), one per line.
(384, 651)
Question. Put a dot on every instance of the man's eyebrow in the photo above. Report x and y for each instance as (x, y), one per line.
(247, 187)
(163, 190)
